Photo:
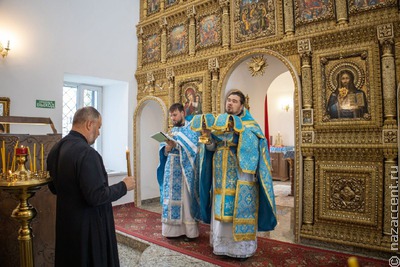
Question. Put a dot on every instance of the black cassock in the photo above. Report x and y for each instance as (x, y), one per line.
(85, 230)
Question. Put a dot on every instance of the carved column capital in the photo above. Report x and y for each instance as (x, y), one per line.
(169, 73)
(213, 65)
(224, 3)
(150, 82)
(385, 31)
(191, 12)
(163, 23)
(139, 32)
(304, 46)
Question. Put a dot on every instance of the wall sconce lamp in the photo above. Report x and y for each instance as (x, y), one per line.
(285, 107)
(4, 50)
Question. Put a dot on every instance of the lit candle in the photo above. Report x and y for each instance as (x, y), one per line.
(30, 159)
(3, 160)
(42, 156)
(13, 161)
(3, 157)
(34, 157)
(128, 162)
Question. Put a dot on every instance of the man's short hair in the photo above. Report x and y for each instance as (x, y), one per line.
(85, 114)
(176, 106)
(239, 94)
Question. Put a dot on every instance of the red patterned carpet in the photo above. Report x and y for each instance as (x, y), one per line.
(146, 225)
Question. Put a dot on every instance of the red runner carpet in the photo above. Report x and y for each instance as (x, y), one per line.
(146, 225)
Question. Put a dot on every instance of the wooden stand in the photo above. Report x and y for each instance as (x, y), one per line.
(279, 167)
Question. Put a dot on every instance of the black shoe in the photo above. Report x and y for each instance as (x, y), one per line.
(187, 239)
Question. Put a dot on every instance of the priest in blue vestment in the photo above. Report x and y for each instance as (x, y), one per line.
(177, 178)
(242, 191)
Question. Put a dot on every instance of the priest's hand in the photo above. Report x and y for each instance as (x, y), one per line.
(170, 145)
(129, 182)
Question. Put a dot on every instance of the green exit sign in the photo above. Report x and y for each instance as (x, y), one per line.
(45, 104)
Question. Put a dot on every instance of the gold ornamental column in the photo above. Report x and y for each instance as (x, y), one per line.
(163, 28)
(144, 9)
(224, 4)
(391, 187)
(341, 12)
(213, 67)
(386, 40)
(289, 17)
(308, 189)
(191, 13)
(304, 49)
(169, 73)
(139, 33)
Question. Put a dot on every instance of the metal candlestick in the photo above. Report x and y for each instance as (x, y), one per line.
(23, 184)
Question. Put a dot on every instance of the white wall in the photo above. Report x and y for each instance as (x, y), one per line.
(91, 38)
(150, 122)
(281, 121)
(276, 79)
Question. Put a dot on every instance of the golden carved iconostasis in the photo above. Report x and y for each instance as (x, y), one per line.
(343, 61)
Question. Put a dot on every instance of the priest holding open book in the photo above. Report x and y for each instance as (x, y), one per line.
(176, 175)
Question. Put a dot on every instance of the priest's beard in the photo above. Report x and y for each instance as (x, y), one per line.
(179, 123)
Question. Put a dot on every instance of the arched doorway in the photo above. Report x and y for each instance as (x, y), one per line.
(146, 122)
(280, 80)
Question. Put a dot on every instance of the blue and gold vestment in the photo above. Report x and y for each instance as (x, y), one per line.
(177, 170)
(248, 204)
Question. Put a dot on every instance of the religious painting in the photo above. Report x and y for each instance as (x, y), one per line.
(306, 116)
(192, 98)
(346, 89)
(356, 6)
(208, 31)
(153, 6)
(313, 10)
(5, 110)
(169, 3)
(254, 19)
(177, 41)
(152, 48)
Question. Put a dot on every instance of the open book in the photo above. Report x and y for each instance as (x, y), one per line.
(161, 137)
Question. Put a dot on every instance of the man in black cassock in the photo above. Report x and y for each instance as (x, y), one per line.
(85, 230)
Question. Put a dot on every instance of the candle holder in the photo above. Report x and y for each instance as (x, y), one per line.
(203, 123)
(23, 184)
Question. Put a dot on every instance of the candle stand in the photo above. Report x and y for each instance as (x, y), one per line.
(23, 184)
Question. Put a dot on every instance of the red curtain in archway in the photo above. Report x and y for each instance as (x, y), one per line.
(266, 128)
